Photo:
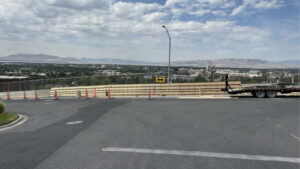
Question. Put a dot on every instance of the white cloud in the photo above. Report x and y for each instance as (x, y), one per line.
(257, 4)
(261, 48)
(155, 16)
(126, 26)
(238, 10)
(80, 4)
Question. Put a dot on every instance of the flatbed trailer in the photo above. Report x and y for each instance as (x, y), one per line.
(261, 91)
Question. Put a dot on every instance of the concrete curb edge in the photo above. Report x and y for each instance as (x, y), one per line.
(20, 120)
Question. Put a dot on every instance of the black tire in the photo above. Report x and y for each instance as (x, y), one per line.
(271, 94)
(260, 94)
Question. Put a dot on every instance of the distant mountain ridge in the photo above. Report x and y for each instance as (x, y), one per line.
(230, 62)
(292, 62)
(236, 63)
(42, 58)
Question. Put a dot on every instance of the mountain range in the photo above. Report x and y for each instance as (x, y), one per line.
(42, 58)
(231, 62)
(239, 63)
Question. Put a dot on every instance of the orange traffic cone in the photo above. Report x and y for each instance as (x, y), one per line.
(95, 94)
(55, 95)
(86, 94)
(25, 97)
(36, 95)
(8, 95)
(108, 94)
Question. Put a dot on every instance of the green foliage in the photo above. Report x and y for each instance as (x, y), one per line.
(200, 78)
(2, 107)
(8, 118)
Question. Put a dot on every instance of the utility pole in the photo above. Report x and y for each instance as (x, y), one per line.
(169, 52)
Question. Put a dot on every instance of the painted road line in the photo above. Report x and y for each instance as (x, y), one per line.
(203, 154)
(293, 135)
(74, 122)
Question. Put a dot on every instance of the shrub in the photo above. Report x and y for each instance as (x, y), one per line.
(2, 107)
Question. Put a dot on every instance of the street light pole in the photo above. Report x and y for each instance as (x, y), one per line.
(169, 52)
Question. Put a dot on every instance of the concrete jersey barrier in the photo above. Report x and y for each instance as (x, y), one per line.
(205, 88)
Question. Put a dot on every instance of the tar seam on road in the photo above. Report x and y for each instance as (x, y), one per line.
(203, 154)
(293, 135)
(277, 125)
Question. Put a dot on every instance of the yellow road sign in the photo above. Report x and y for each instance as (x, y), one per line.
(160, 80)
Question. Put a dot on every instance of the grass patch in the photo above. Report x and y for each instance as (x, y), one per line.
(8, 118)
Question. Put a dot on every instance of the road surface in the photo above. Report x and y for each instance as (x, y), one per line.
(161, 133)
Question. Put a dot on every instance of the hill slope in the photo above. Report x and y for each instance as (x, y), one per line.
(234, 63)
(42, 58)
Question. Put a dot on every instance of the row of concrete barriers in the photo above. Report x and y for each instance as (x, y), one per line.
(132, 90)
(174, 89)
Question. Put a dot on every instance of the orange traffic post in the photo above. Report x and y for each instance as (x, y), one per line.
(36, 95)
(55, 95)
(86, 94)
(149, 95)
(25, 97)
(8, 95)
(95, 94)
(108, 94)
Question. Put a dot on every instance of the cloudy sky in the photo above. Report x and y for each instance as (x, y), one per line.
(131, 29)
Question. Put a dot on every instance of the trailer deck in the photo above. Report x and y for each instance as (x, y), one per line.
(261, 91)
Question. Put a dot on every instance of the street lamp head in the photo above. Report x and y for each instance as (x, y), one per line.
(163, 26)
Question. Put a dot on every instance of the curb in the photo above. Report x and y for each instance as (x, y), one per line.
(206, 97)
(17, 122)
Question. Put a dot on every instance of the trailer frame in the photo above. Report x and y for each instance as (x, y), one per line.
(269, 91)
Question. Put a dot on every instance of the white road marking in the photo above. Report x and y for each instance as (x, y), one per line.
(74, 122)
(204, 154)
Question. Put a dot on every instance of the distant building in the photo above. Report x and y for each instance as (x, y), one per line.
(147, 76)
(225, 71)
(181, 77)
(42, 74)
(182, 71)
(110, 72)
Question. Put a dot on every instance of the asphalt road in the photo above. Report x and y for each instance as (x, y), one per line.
(160, 134)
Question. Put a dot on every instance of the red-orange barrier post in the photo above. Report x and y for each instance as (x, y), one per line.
(25, 97)
(8, 95)
(86, 94)
(109, 95)
(55, 95)
(36, 95)
(95, 94)
(149, 95)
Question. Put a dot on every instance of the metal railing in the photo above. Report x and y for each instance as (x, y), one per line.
(41, 87)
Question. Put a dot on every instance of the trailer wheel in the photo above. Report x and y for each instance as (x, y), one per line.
(271, 94)
(260, 94)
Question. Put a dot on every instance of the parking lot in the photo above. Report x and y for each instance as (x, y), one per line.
(159, 133)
